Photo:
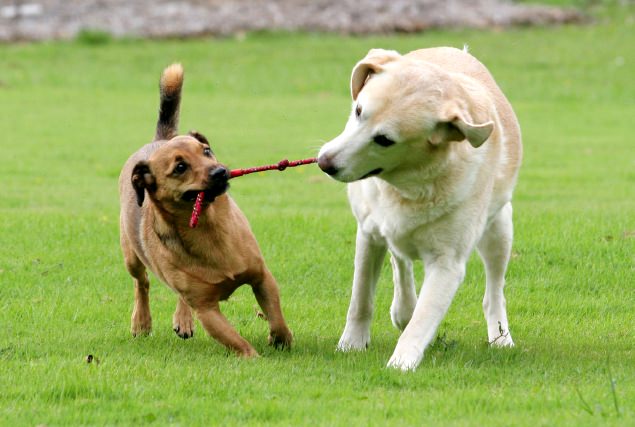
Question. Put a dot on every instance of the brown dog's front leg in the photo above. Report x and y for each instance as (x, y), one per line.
(268, 297)
(141, 320)
(182, 321)
(220, 329)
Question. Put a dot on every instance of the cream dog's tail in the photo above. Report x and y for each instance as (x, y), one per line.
(170, 86)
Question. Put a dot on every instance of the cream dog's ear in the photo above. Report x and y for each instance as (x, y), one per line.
(476, 134)
(372, 63)
(464, 116)
(457, 128)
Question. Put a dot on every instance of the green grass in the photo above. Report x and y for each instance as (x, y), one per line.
(71, 113)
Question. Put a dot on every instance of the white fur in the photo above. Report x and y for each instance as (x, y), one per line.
(430, 203)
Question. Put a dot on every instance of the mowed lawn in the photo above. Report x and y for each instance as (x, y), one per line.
(70, 115)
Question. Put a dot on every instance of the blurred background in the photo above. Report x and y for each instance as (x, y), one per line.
(65, 19)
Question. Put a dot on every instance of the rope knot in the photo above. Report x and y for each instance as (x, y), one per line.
(282, 164)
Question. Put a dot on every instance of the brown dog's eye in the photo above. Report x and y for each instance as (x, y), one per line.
(180, 168)
(358, 111)
(207, 152)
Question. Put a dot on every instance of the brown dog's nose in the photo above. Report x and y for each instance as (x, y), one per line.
(219, 173)
(326, 164)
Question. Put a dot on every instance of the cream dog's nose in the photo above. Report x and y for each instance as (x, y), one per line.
(325, 163)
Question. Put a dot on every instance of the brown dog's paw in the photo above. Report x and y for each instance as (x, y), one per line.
(185, 333)
(136, 332)
(182, 321)
(140, 323)
(183, 326)
(248, 353)
(281, 339)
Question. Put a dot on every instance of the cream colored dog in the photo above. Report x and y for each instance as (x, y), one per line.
(431, 152)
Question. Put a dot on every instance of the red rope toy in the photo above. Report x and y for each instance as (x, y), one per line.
(235, 173)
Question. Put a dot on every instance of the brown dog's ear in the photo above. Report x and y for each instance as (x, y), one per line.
(198, 136)
(371, 64)
(142, 179)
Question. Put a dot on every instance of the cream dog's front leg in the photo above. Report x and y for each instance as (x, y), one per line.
(369, 256)
(442, 279)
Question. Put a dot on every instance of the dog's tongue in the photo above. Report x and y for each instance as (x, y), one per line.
(196, 212)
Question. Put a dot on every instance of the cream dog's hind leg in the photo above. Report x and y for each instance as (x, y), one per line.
(405, 294)
(495, 249)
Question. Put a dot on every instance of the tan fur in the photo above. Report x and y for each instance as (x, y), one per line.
(459, 62)
(172, 79)
(203, 265)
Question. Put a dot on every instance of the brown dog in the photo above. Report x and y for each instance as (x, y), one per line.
(204, 265)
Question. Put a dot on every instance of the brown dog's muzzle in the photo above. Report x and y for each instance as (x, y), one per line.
(217, 184)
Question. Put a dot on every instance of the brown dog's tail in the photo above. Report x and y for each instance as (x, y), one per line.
(170, 86)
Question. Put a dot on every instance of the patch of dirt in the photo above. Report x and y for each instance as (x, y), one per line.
(64, 19)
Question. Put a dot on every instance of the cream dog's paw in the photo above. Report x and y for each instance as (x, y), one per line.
(405, 359)
(354, 339)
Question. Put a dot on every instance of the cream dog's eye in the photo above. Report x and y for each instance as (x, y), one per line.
(180, 168)
(383, 140)
(358, 111)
